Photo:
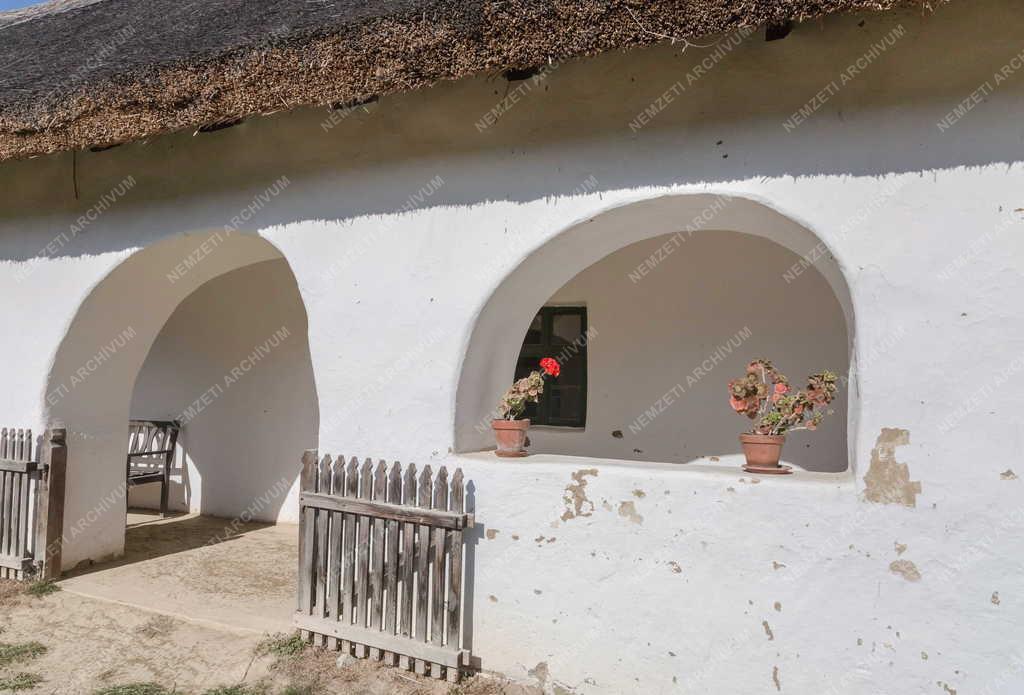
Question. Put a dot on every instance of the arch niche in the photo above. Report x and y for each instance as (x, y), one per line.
(590, 263)
(164, 331)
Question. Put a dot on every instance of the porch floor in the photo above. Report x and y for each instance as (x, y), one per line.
(201, 569)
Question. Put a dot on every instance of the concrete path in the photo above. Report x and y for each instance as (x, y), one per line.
(205, 570)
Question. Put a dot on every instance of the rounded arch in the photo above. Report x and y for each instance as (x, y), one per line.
(93, 374)
(496, 335)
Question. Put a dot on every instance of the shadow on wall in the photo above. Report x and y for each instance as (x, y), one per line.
(233, 365)
(881, 123)
(666, 342)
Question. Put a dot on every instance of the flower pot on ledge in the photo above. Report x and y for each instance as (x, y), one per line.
(510, 436)
(763, 452)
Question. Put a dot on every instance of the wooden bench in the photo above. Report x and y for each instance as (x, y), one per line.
(150, 454)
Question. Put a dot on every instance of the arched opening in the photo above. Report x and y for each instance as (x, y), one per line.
(680, 292)
(206, 329)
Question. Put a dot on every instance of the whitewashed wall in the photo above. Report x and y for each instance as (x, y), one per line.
(648, 577)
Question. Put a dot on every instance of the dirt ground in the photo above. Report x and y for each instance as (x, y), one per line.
(187, 617)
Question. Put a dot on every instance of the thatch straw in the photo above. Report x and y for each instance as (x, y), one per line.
(92, 73)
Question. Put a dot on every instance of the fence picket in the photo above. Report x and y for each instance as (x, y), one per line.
(337, 522)
(408, 559)
(437, 552)
(456, 503)
(17, 549)
(321, 552)
(307, 483)
(349, 560)
(5, 524)
(26, 520)
(363, 554)
(4, 449)
(391, 560)
(380, 491)
(423, 566)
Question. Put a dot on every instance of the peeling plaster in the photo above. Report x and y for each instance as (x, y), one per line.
(676, 569)
(575, 497)
(628, 511)
(1008, 474)
(768, 630)
(906, 569)
(778, 606)
(775, 678)
(900, 547)
(540, 672)
(888, 481)
(995, 598)
(491, 533)
(945, 686)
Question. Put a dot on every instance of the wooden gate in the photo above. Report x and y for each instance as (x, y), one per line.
(31, 504)
(380, 562)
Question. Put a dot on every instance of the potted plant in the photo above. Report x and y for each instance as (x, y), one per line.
(510, 431)
(763, 394)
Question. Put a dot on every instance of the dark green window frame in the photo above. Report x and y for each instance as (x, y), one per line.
(564, 402)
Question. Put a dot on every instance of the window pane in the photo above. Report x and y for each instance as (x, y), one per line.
(535, 333)
(554, 332)
(524, 366)
(565, 328)
(565, 404)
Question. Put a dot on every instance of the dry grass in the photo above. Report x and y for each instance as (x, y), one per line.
(16, 653)
(12, 593)
(19, 681)
(157, 627)
(42, 588)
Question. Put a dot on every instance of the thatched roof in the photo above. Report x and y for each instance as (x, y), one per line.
(92, 73)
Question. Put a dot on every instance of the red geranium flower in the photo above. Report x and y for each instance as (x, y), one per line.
(550, 366)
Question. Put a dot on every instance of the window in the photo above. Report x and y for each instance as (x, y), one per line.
(558, 331)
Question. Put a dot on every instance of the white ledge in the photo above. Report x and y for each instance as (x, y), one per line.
(727, 467)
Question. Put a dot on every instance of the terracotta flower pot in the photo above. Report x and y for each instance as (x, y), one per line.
(511, 437)
(763, 452)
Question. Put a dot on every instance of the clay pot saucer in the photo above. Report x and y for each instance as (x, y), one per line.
(781, 469)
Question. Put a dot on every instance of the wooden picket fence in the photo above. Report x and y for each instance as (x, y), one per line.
(31, 504)
(380, 563)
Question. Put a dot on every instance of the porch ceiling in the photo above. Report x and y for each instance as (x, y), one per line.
(93, 73)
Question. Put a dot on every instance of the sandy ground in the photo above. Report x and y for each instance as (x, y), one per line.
(191, 616)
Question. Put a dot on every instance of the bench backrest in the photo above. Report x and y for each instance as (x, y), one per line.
(151, 439)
